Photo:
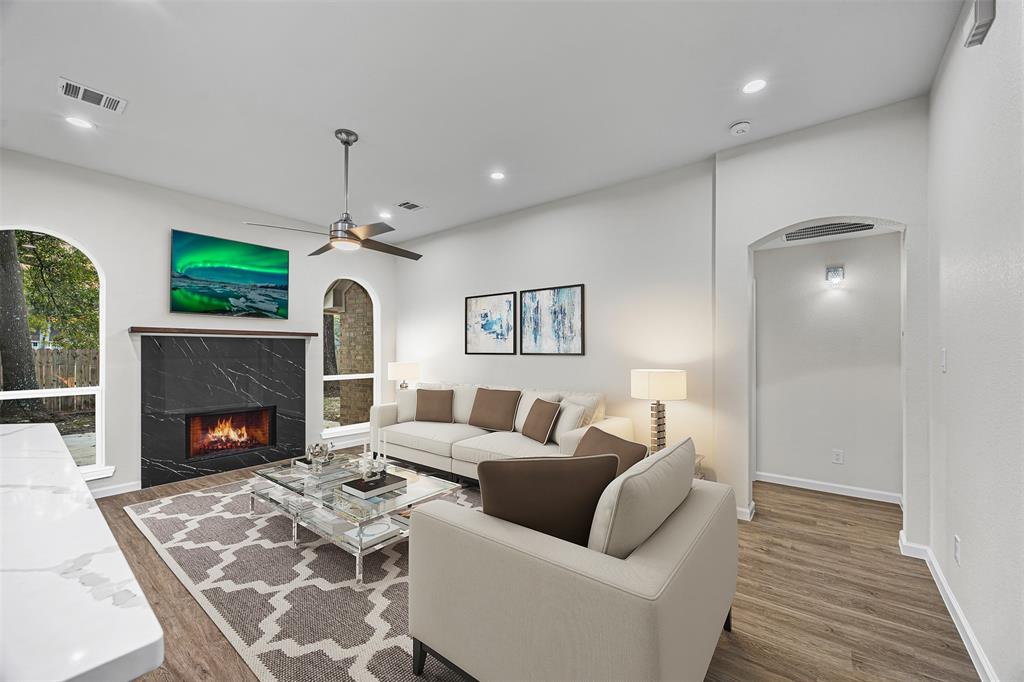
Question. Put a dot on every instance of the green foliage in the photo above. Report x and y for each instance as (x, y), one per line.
(62, 290)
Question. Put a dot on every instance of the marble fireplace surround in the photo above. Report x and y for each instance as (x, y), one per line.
(185, 374)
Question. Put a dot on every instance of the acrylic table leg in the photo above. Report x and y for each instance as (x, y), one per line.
(295, 533)
(359, 570)
(252, 504)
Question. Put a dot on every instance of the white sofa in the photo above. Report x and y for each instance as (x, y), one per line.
(458, 447)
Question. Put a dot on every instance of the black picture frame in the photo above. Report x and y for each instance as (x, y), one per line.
(583, 318)
(515, 324)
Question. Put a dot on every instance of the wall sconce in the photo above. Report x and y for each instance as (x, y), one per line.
(834, 275)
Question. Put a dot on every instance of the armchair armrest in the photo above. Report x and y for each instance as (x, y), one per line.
(381, 415)
(617, 426)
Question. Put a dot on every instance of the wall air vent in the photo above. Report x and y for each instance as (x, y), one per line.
(91, 96)
(410, 206)
(827, 230)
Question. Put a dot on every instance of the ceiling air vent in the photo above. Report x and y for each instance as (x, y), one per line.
(410, 206)
(827, 230)
(91, 96)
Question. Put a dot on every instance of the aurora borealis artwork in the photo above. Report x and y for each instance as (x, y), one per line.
(225, 277)
(551, 321)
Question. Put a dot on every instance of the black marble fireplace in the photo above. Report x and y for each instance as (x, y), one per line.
(212, 404)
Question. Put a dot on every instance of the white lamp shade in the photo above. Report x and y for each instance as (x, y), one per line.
(403, 371)
(658, 384)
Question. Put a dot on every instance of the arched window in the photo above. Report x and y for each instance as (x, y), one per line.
(348, 358)
(50, 340)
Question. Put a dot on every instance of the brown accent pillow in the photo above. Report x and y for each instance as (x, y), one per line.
(541, 421)
(494, 409)
(434, 405)
(598, 442)
(552, 495)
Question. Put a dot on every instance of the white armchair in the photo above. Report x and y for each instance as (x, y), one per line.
(502, 601)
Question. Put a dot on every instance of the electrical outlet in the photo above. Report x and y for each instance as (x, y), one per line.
(942, 360)
(838, 457)
(956, 549)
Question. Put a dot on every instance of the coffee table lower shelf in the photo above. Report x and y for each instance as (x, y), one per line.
(355, 539)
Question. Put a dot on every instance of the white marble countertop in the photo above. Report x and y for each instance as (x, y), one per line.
(70, 607)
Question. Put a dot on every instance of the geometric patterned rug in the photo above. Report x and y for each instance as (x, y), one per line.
(292, 614)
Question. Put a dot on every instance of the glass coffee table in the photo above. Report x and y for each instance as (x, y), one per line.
(317, 502)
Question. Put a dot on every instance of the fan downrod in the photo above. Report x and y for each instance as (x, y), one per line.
(346, 137)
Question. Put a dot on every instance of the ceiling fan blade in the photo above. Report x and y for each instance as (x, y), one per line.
(387, 248)
(323, 249)
(371, 230)
(282, 227)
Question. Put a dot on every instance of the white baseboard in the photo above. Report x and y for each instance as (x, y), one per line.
(116, 489)
(745, 513)
(981, 663)
(834, 488)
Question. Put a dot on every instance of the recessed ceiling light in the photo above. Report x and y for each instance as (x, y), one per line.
(384, 214)
(497, 175)
(79, 122)
(754, 86)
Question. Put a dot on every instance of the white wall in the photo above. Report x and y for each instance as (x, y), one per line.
(976, 216)
(870, 164)
(643, 250)
(828, 363)
(125, 226)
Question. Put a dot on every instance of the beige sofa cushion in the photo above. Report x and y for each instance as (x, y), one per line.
(501, 445)
(405, 398)
(636, 503)
(433, 437)
(526, 403)
(462, 404)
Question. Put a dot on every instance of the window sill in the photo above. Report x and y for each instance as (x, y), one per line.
(96, 471)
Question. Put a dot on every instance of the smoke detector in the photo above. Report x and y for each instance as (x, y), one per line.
(92, 96)
(739, 128)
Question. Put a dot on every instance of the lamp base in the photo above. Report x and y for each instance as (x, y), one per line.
(657, 426)
(404, 385)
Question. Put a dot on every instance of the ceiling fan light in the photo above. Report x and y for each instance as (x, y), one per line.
(345, 243)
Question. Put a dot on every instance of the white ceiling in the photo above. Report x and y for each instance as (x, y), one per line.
(238, 101)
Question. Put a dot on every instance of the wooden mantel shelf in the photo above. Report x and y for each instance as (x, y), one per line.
(185, 331)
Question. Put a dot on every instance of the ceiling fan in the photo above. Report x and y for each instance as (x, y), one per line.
(344, 234)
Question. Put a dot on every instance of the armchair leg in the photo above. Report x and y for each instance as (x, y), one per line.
(419, 657)
(728, 621)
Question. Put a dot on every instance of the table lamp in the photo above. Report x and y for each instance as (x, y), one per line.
(657, 385)
(403, 371)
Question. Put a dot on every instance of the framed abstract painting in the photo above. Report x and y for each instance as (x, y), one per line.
(491, 324)
(224, 277)
(551, 321)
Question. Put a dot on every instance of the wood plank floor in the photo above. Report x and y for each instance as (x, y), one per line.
(823, 594)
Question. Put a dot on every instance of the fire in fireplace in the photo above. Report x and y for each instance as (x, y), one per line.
(223, 433)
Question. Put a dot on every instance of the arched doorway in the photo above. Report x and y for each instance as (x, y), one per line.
(50, 340)
(351, 341)
(827, 391)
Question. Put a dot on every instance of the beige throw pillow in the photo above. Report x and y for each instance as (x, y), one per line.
(636, 503)
(569, 418)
